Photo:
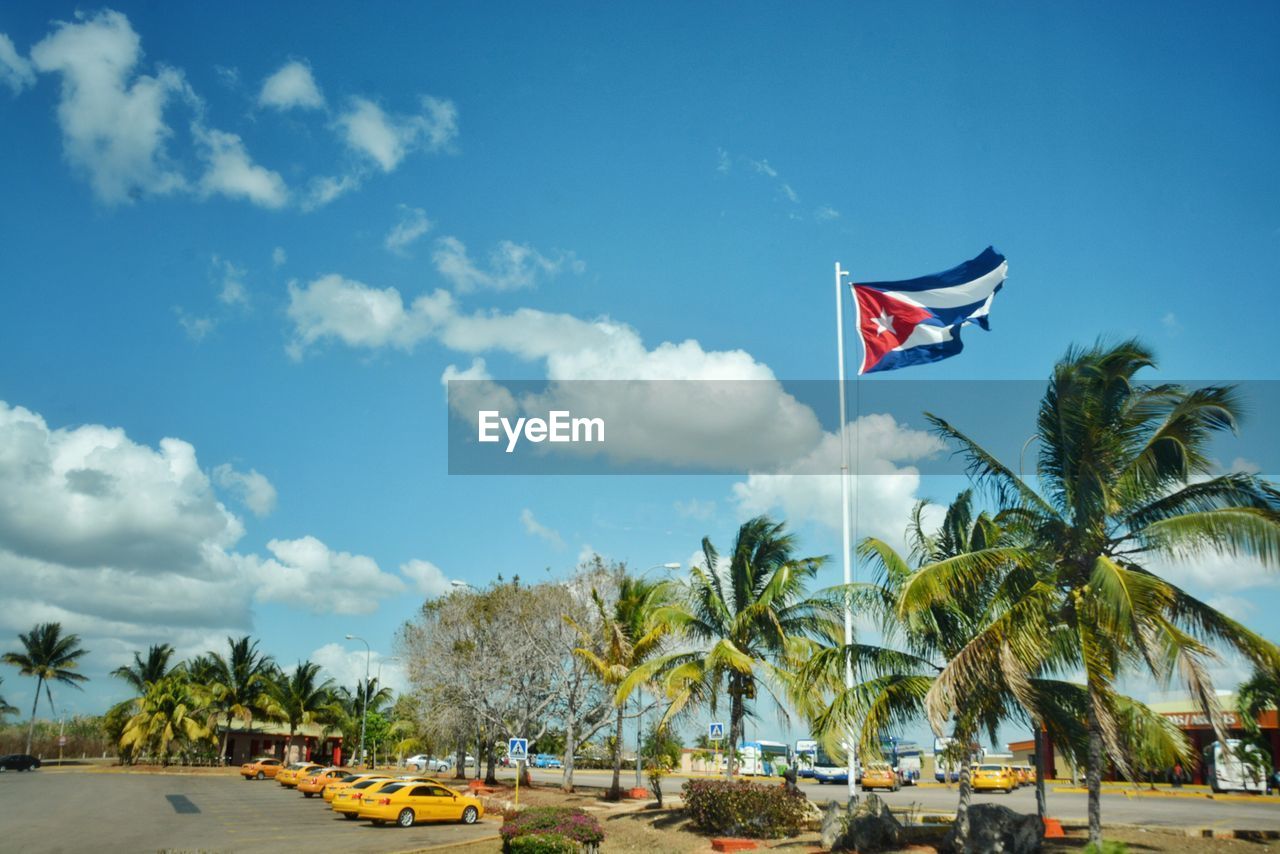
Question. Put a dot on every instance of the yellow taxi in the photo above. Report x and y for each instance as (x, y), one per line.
(260, 768)
(347, 802)
(1026, 774)
(990, 778)
(314, 783)
(338, 785)
(878, 775)
(289, 776)
(406, 802)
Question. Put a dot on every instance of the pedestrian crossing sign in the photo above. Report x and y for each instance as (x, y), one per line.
(715, 732)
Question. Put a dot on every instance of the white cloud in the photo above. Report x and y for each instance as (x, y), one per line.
(292, 86)
(427, 578)
(230, 279)
(1221, 574)
(307, 573)
(536, 529)
(511, 266)
(412, 225)
(763, 167)
(346, 666)
(231, 171)
(475, 371)
(279, 257)
(696, 508)
(112, 120)
(15, 71)
(324, 189)
(251, 488)
(826, 213)
(196, 327)
(723, 164)
(358, 315)
(387, 138)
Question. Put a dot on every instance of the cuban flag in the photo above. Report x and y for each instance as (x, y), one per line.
(918, 321)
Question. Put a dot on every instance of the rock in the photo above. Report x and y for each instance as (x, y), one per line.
(812, 816)
(996, 829)
(832, 825)
(871, 828)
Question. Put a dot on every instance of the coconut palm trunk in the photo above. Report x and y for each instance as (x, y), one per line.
(31, 728)
(615, 788)
(570, 747)
(966, 796)
(1093, 776)
(1042, 807)
(737, 714)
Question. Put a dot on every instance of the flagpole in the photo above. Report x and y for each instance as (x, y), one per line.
(852, 741)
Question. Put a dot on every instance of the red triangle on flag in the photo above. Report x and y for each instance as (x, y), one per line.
(884, 322)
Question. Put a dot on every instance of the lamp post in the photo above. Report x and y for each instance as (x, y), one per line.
(364, 689)
(640, 694)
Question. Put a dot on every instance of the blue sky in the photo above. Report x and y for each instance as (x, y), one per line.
(203, 214)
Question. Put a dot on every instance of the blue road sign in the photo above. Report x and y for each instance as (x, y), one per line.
(518, 749)
(715, 732)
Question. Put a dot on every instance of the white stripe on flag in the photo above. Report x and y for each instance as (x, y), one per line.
(955, 296)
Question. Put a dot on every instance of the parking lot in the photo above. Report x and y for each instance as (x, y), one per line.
(75, 810)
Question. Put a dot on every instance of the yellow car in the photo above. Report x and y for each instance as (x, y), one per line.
(1026, 774)
(878, 775)
(990, 778)
(407, 802)
(343, 783)
(312, 784)
(289, 776)
(347, 802)
(261, 768)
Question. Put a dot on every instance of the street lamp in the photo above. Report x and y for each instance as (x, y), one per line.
(364, 689)
(640, 693)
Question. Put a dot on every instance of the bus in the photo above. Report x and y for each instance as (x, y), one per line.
(1241, 767)
(806, 751)
(758, 757)
(946, 768)
(826, 769)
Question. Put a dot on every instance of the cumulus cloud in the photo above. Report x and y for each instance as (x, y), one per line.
(254, 490)
(428, 579)
(346, 666)
(511, 266)
(534, 528)
(230, 280)
(15, 71)
(279, 257)
(324, 189)
(307, 573)
(386, 138)
(412, 225)
(197, 327)
(291, 87)
(358, 315)
(112, 119)
(231, 172)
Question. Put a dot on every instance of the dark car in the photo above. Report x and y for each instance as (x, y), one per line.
(19, 762)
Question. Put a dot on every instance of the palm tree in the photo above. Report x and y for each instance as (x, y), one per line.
(1124, 479)
(141, 673)
(170, 711)
(300, 698)
(745, 626)
(49, 656)
(629, 636)
(237, 684)
(5, 708)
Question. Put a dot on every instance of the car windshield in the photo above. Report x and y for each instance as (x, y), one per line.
(990, 767)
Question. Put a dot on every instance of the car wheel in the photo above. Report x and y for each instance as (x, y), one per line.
(470, 815)
(349, 815)
(405, 819)
(260, 776)
(308, 794)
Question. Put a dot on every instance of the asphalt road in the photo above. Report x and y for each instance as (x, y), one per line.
(1117, 807)
(75, 811)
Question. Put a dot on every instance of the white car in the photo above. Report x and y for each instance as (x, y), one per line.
(426, 763)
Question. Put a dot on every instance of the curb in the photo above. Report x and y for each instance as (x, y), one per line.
(1147, 793)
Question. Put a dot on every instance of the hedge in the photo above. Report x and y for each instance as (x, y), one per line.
(740, 808)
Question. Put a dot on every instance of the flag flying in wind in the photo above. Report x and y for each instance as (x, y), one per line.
(917, 321)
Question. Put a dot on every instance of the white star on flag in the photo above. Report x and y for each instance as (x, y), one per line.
(884, 323)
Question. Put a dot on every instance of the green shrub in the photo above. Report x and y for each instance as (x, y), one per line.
(543, 843)
(569, 823)
(747, 809)
(1107, 848)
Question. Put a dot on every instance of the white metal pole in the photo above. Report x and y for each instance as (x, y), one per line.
(851, 746)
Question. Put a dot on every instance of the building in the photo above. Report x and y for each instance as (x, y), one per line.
(1184, 712)
(246, 741)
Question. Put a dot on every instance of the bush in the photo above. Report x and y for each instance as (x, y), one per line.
(543, 843)
(1107, 848)
(740, 808)
(568, 823)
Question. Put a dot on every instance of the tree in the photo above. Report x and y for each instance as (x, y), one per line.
(237, 683)
(5, 708)
(744, 625)
(142, 673)
(1257, 694)
(170, 712)
(1124, 481)
(50, 656)
(629, 635)
(301, 698)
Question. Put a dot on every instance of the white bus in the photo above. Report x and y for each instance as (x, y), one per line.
(1241, 767)
(806, 753)
(758, 757)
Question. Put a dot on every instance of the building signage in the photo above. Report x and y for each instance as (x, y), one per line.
(1200, 719)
